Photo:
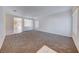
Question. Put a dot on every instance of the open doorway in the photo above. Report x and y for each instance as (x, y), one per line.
(17, 25)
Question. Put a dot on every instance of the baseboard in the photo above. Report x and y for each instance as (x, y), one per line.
(53, 33)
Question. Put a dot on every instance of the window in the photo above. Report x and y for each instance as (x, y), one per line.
(28, 23)
(17, 25)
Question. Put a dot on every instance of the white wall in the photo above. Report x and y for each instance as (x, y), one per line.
(75, 33)
(59, 23)
(2, 29)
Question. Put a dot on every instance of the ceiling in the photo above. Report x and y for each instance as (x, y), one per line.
(36, 11)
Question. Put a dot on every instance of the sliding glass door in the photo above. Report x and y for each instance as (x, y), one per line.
(17, 25)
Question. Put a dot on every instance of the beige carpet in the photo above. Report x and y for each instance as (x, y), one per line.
(32, 41)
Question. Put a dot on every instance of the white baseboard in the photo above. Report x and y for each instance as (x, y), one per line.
(53, 33)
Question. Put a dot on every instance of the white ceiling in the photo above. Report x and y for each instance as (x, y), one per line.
(36, 11)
